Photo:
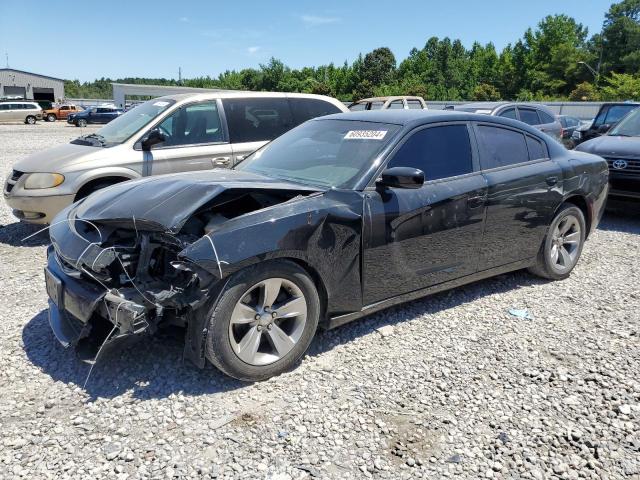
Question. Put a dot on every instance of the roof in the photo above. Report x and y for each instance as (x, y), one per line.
(414, 118)
(391, 97)
(30, 73)
(494, 105)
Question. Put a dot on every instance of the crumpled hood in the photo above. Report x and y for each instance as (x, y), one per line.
(166, 202)
(609, 145)
(57, 158)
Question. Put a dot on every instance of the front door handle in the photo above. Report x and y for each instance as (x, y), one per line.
(221, 161)
(475, 202)
(551, 181)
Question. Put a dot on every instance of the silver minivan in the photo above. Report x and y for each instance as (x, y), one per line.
(176, 133)
(20, 111)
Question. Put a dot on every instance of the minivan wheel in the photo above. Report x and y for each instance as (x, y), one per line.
(51, 117)
(263, 322)
(31, 120)
(562, 245)
(81, 123)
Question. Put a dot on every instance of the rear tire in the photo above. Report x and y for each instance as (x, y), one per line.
(562, 246)
(273, 307)
(51, 118)
(81, 123)
(30, 120)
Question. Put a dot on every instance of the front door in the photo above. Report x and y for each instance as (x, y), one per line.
(195, 140)
(525, 188)
(415, 238)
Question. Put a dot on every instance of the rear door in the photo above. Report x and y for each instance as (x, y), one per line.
(254, 121)
(196, 140)
(415, 238)
(524, 191)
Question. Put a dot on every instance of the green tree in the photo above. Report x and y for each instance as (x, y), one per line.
(485, 92)
(585, 92)
(378, 66)
(621, 86)
(621, 38)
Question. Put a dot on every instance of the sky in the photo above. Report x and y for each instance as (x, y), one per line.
(140, 38)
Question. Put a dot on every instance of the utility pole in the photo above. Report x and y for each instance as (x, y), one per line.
(7, 57)
(179, 75)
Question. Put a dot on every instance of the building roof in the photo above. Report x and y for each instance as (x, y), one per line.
(30, 73)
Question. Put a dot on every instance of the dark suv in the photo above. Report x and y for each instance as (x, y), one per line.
(608, 116)
(621, 148)
(94, 115)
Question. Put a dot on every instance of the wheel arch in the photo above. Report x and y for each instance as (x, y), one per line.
(89, 185)
(580, 201)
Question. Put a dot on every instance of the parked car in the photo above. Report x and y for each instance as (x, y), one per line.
(569, 125)
(60, 112)
(94, 115)
(608, 116)
(168, 134)
(621, 148)
(534, 114)
(393, 103)
(20, 111)
(338, 218)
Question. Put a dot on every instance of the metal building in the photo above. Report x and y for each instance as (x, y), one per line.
(32, 86)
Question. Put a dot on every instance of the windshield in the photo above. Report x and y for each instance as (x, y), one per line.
(121, 128)
(325, 153)
(629, 126)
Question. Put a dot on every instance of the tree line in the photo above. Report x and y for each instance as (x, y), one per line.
(557, 60)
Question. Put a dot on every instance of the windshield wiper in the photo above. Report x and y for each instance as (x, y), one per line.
(95, 136)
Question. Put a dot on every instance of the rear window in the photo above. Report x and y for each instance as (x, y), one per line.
(304, 109)
(501, 147)
(414, 104)
(509, 113)
(529, 116)
(545, 117)
(257, 119)
(537, 149)
(396, 105)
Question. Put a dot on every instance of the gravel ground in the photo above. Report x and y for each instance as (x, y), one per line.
(449, 386)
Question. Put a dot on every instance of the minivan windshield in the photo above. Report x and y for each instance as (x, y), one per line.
(123, 127)
(629, 126)
(324, 153)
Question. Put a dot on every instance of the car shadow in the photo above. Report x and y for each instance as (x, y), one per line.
(429, 305)
(154, 367)
(14, 234)
(625, 220)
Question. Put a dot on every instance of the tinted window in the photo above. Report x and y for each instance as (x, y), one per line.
(191, 125)
(440, 152)
(414, 104)
(500, 147)
(396, 105)
(4, 106)
(616, 113)
(304, 109)
(529, 116)
(536, 148)
(257, 119)
(64, 108)
(545, 117)
(357, 107)
(509, 113)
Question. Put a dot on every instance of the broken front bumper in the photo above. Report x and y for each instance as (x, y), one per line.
(77, 305)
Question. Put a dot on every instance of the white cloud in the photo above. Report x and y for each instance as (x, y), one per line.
(316, 20)
(253, 50)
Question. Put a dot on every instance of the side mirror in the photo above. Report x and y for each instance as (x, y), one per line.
(152, 138)
(401, 177)
(604, 128)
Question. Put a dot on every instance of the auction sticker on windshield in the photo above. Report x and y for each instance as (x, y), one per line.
(365, 134)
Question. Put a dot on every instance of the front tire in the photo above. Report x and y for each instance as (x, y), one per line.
(264, 321)
(81, 123)
(30, 120)
(562, 245)
(51, 117)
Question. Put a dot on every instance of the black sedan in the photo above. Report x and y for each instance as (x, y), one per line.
(340, 217)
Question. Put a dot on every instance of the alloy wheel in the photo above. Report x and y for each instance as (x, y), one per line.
(267, 321)
(565, 243)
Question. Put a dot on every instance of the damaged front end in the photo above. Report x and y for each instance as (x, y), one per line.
(112, 277)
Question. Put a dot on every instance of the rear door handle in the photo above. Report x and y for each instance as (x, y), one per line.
(551, 181)
(475, 202)
(220, 161)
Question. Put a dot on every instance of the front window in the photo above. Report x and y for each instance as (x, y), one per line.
(324, 153)
(123, 127)
(629, 126)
